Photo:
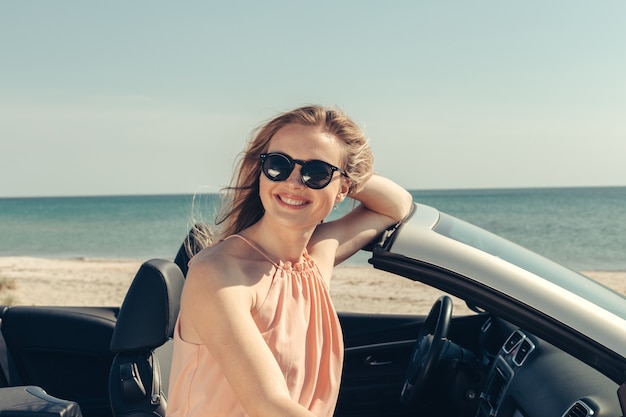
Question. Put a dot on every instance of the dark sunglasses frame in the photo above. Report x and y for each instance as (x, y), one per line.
(303, 170)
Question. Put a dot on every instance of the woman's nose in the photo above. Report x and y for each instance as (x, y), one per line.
(295, 178)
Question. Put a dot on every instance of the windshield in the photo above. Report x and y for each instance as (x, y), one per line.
(572, 281)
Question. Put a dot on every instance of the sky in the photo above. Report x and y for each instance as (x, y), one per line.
(160, 97)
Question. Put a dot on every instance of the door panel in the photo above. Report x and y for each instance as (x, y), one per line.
(64, 350)
(377, 352)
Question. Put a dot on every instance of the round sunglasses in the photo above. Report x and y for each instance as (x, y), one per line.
(314, 174)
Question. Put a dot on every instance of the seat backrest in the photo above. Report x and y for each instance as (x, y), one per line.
(145, 322)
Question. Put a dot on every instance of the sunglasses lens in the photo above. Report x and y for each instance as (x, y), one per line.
(316, 174)
(277, 167)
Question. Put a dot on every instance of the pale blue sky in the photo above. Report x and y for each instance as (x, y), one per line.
(151, 97)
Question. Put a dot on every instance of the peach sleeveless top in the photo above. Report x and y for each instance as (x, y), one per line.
(300, 325)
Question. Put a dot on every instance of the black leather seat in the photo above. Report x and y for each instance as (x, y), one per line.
(146, 321)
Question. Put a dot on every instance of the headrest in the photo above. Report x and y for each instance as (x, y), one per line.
(199, 237)
(148, 314)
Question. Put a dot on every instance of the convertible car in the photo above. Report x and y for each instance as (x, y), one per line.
(539, 341)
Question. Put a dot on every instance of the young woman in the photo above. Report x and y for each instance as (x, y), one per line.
(257, 334)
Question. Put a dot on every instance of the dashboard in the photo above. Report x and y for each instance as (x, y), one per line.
(528, 377)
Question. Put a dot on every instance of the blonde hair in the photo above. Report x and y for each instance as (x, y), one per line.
(242, 205)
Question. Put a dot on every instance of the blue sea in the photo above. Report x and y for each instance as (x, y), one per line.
(581, 228)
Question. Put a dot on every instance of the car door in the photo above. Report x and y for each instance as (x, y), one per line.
(64, 350)
(377, 351)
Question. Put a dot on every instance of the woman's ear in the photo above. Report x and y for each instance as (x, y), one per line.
(344, 190)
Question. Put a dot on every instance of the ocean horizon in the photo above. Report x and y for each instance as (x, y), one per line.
(583, 228)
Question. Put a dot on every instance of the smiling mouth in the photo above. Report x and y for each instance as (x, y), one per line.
(291, 201)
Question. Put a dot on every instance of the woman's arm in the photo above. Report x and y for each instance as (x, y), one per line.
(383, 196)
(383, 203)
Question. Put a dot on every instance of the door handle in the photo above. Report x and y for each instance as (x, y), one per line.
(371, 361)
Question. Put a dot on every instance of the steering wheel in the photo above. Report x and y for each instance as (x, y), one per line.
(428, 348)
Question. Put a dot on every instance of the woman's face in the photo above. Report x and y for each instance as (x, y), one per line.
(291, 201)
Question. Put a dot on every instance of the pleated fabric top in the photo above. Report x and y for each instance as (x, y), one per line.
(299, 324)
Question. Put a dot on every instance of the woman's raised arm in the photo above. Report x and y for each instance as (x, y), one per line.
(383, 203)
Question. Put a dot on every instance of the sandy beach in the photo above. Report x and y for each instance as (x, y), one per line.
(97, 282)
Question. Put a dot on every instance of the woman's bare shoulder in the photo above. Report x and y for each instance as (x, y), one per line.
(214, 273)
(228, 263)
(215, 289)
(214, 264)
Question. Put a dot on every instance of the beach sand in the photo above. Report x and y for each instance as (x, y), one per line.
(98, 282)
